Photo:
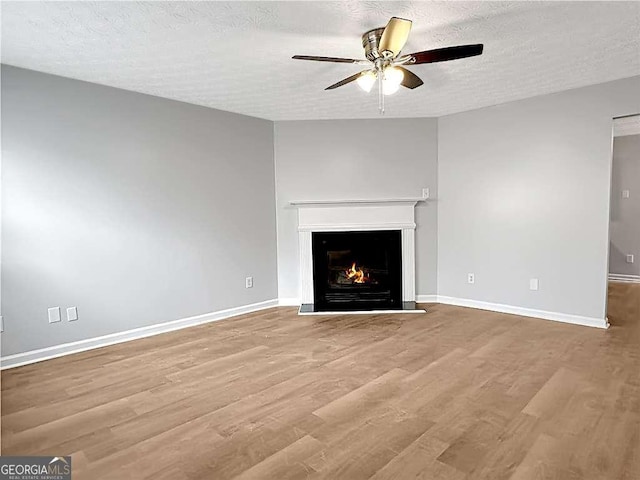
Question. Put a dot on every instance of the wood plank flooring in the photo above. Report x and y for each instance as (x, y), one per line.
(452, 394)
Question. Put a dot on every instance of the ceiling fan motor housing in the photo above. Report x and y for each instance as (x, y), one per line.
(370, 42)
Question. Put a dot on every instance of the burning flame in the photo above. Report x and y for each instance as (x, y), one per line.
(356, 274)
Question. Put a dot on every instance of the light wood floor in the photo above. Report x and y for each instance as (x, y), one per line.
(452, 394)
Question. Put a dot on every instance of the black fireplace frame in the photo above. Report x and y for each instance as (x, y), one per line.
(377, 244)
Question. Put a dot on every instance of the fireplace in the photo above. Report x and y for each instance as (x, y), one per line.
(356, 255)
(357, 270)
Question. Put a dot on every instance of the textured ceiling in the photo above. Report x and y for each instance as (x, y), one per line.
(236, 56)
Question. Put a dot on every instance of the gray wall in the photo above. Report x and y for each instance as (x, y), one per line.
(524, 193)
(625, 212)
(140, 210)
(351, 159)
(135, 209)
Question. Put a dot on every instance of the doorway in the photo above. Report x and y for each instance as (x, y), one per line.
(623, 302)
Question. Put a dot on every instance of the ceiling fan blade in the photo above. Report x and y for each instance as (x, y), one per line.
(328, 59)
(395, 35)
(445, 54)
(410, 79)
(345, 81)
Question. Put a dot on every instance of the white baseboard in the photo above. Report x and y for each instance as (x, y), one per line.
(526, 312)
(618, 277)
(289, 302)
(33, 356)
(426, 299)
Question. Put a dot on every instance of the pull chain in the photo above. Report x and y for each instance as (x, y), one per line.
(380, 94)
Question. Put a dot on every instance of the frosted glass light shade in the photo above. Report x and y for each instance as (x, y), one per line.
(392, 79)
(366, 81)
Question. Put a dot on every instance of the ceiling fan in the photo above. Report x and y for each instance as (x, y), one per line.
(382, 47)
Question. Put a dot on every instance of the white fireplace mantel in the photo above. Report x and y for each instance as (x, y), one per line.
(367, 201)
(352, 215)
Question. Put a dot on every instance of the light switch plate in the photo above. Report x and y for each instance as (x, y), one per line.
(1, 324)
(72, 314)
(425, 193)
(533, 284)
(630, 258)
(248, 282)
(625, 194)
(54, 314)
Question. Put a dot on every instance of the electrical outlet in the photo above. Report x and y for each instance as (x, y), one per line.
(72, 314)
(248, 282)
(533, 284)
(625, 193)
(1, 324)
(630, 258)
(471, 278)
(54, 314)
(425, 193)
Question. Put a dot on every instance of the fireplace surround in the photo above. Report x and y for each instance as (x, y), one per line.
(386, 222)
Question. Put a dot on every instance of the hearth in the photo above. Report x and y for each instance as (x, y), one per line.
(357, 270)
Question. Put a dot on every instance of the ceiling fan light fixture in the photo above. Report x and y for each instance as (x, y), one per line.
(386, 66)
(366, 81)
(392, 79)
